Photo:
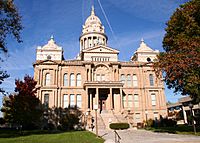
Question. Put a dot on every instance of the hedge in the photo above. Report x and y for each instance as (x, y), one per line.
(119, 126)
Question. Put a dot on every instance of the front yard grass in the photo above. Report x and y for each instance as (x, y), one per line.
(46, 137)
(179, 129)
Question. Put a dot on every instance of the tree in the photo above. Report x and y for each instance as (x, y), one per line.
(10, 24)
(181, 60)
(24, 108)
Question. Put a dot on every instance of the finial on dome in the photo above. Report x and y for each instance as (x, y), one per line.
(142, 40)
(52, 38)
(92, 12)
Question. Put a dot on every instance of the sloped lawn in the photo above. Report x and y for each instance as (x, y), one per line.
(39, 137)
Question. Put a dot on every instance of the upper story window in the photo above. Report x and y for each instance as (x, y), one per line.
(65, 81)
(72, 79)
(135, 82)
(78, 79)
(122, 78)
(129, 80)
(47, 79)
(151, 80)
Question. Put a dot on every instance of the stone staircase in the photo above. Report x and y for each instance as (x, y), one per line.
(106, 117)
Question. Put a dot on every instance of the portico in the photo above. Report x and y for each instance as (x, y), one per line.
(106, 95)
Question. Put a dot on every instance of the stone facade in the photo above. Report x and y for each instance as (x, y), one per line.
(97, 78)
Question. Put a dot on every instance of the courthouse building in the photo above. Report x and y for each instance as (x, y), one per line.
(98, 78)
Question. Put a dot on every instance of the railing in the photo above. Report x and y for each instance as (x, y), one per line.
(117, 137)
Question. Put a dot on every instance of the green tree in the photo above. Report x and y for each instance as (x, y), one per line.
(10, 25)
(24, 108)
(181, 60)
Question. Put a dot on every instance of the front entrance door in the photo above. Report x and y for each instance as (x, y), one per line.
(102, 104)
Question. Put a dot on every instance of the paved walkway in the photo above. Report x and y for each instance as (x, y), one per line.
(142, 136)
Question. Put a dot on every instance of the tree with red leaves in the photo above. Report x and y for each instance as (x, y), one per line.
(181, 60)
(24, 108)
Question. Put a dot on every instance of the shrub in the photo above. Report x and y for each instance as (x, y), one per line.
(167, 123)
(119, 126)
(150, 123)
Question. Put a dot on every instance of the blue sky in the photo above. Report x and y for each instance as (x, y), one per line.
(130, 20)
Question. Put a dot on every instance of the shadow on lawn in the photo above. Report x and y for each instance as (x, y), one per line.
(10, 133)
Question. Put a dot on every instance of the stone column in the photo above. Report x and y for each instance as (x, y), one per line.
(184, 115)
(121, 94)
(111, 99)
(86, 99)
(97, 97)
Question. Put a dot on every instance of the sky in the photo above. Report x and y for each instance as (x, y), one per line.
(129, 20)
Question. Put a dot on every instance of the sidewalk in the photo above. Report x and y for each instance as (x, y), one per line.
(143, 136)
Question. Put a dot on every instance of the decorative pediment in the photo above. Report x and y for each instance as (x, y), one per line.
(46, 62)
(101, 49)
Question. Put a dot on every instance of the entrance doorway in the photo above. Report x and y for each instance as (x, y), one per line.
(103, 95)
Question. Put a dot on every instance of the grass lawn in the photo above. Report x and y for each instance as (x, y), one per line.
(42, 137)
(179, 129)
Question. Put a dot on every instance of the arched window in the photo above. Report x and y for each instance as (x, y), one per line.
(135, 82)
(47, 79)
(78, 79)
(122, 78)
(129, 80)
(65, 79)
(151, 80)
(72, 80)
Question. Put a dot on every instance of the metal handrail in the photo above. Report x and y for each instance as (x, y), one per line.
(117, 137)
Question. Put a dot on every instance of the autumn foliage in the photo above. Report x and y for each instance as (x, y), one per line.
(181, 60)
(23, 108)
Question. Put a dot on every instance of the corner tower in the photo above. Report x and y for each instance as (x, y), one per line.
(92, 33)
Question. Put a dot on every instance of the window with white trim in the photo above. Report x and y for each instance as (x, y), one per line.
(72, 100)
(65, 79)
(79, 100)
(46, 100)
(47, 79)
(151, 80)
(153, 99)
(135, 82)
(78, 79)
(65, 101)
(130, 100)
(72, 79)
(122, 78)
(124, 101)
(136, 100)
(129, 80)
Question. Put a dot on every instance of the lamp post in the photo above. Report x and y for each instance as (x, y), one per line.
(191, 106)
(146, 112)
(96, 108)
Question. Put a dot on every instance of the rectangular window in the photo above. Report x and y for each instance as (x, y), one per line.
(46, 100)
(136, 100)
(72, 100)
(122, 78)
(153, 99)
(151, 80)
(98, 77)
(79, 100)
(129, 80)
(103, 77)
(130, 100)
(66, 101)
(135, 82)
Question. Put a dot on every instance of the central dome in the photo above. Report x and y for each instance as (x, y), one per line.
(93, 24)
